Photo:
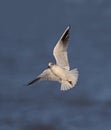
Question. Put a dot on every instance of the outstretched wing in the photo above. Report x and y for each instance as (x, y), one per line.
(60, 50)
(45, 75)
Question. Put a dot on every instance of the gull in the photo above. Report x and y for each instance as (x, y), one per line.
(60, 71)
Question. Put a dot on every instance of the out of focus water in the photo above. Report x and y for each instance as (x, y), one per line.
(28, 32)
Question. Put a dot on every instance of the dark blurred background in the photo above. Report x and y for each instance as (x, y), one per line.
(29, 29)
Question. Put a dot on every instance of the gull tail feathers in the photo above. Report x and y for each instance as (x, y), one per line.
(65, 86)
(74, 76)
(71, 82)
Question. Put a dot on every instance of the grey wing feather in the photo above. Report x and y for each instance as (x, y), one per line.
(60, 50)
(45, 75)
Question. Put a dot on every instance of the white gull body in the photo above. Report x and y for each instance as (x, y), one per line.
(61, 70)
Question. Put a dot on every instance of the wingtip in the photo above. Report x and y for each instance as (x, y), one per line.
(68, 27)
(33, 81)
(28, 84)
(65, 35)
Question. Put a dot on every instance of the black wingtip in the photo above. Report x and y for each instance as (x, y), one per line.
(33, 81)
(66, 34)
(69, 26)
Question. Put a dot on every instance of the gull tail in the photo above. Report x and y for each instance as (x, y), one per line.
(71, 82)
(74, 76)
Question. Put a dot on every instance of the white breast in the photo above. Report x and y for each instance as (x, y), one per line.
(59, 72)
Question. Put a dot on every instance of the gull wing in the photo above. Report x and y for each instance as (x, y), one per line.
(60, 50)
(45, 75)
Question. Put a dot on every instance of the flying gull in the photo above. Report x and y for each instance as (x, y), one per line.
(60, 71)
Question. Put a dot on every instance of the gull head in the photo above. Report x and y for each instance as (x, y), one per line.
(50, 64)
